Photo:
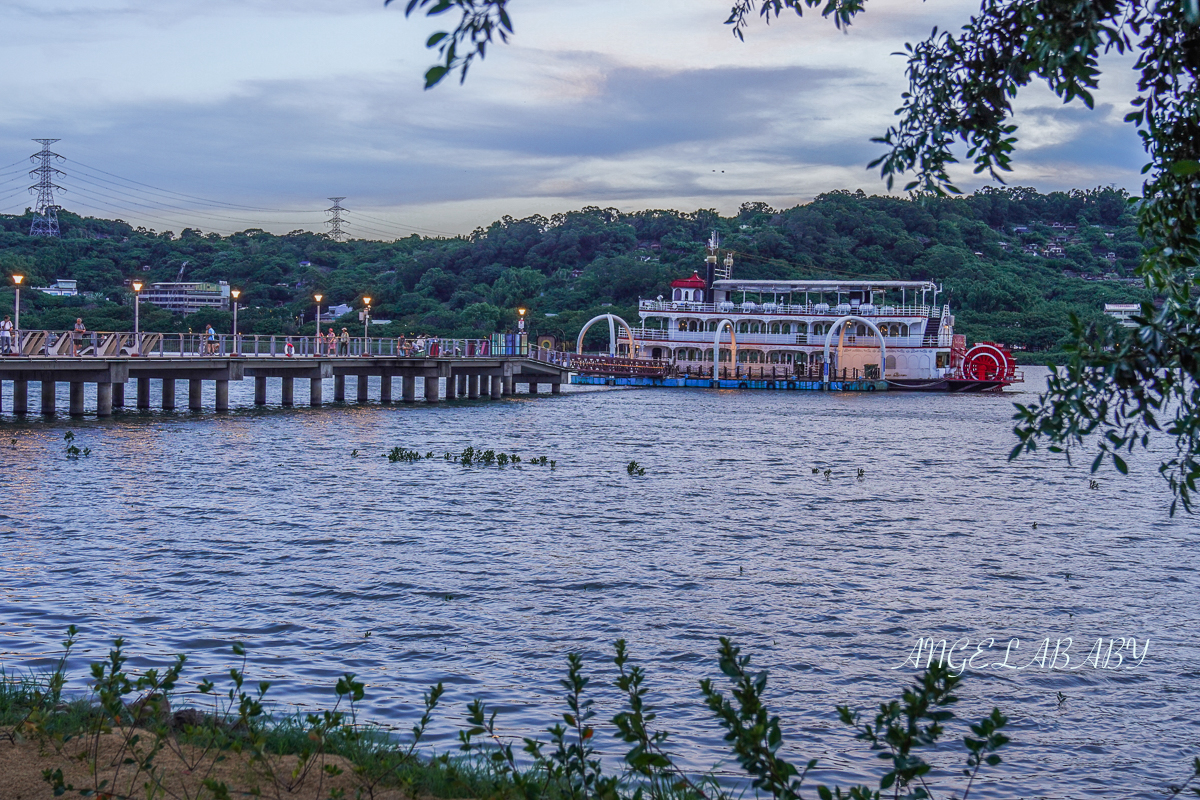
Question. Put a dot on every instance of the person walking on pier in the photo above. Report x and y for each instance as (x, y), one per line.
(344, 343)
(6, 331)
(331, 343)
(77, 335)
(210, 340)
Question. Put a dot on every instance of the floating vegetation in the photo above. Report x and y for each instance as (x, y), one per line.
(72, 450)
(470, 456)
(634, 468)
(862, 473)
(354, 453)
(1062, 698)
(1093, 484)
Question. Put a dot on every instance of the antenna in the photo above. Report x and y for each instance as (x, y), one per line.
(335, 222)
(46, 221)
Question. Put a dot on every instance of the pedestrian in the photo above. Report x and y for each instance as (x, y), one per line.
(77, 335)
(344, 343)
(401, 345)
(6, 332)
(210, 336)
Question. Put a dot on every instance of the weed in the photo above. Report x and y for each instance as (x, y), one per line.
(634, 468)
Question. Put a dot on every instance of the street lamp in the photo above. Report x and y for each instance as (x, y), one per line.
(235, 294)
(137, 302)
(17, 309)
(317, 341)
(366, 326)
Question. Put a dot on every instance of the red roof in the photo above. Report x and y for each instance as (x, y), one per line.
(694, 282)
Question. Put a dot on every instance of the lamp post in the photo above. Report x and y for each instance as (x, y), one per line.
(137, 302)
(520, 330)
(317, 341)
(367, 326)
(235, 294)
(17, 280)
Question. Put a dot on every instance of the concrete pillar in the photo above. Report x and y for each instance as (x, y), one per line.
(473, 387)
(76, 398)
(462, 385)
(431, 390)
(556, 388)
(408, 388)
(168, 394)
(260, 390)
(48, 391)
(451, 386)
(339, 388)
(104, 399)
(195, 388)
(532, 387)
(222, 395)
(385, 388)
(143, 392)
(314, 392)
(118, 395)
(288, 389)
(506, 387)
(361, 385)
(496, 383)
(20, 397)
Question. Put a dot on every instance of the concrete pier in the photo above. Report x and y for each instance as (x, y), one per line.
(532, 387)
(20, 397)
(104, 399)
(470, 377)
(76, 408)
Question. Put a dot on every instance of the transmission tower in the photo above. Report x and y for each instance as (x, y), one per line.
(46, 221)
(335, 222)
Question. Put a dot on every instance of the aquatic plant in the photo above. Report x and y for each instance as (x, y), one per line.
(397, 454)
(634, 468)
(72, 450)
(502, 459)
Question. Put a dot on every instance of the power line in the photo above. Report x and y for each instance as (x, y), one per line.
(192, 197)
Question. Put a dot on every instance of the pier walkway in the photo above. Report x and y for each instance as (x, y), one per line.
(471, 368)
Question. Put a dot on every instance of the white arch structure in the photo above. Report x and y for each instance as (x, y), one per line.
(717, 345)
(878, 334)
(613, 321)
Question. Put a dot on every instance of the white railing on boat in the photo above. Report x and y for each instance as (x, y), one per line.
(783, 309)
(706, 337)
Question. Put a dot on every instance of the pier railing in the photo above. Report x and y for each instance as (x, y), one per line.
(116, 344)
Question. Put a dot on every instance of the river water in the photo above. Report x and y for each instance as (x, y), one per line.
(185, 532)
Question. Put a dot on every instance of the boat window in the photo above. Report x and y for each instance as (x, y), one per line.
(678, 294)
(889, 362)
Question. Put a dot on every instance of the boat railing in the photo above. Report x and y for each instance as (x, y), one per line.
(784, 309)
(818, 339)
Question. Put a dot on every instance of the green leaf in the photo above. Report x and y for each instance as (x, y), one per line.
(434, 75)
(1185, 168)
(1119, 463)
(437, 37)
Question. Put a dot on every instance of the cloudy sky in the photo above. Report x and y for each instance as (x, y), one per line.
(227, 114)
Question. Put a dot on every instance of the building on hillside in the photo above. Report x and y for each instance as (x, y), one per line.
(61, 288)
(188, 297)
(1123, 313)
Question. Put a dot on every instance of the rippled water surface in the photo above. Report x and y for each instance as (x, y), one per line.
(185, 532)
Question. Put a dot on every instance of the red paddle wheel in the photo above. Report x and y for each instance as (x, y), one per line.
(988, 361)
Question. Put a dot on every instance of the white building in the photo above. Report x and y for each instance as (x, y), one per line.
(1123, 313)
(61, 288)
(188, 296)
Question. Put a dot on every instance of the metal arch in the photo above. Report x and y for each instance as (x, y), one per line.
(853, 318)
(613, 319)
(717, 345)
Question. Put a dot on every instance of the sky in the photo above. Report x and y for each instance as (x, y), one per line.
(230, 114)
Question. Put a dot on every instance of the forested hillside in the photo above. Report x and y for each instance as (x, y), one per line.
(1014, 263)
